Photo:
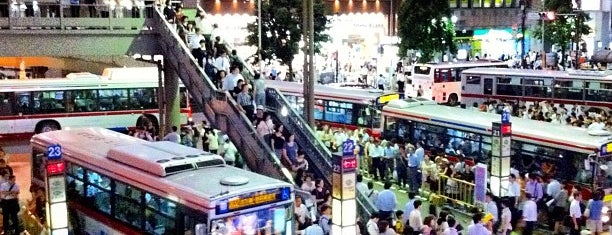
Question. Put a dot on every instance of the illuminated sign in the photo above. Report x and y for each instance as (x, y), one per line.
(383, 99)
(253, 200)
(606, 149)
(55, 168)
(349, 164)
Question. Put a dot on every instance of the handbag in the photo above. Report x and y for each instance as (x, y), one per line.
(587, 211)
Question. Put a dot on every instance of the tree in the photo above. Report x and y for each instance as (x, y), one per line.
(426, 26)
(567, 26)
(282, 29)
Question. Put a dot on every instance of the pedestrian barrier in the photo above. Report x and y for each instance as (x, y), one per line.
(455, 191)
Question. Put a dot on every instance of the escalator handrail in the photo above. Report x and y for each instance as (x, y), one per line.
(284, 174)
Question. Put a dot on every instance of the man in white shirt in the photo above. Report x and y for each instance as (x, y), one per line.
(553, 188)
(491, 207)
(232, 79)
(409, 207)
(301, 213)
(376, 152)
(372, 225)
(575, 214)
(414, 220)
(222, 62)
(173, 136)
(514, 190)
(530, 214)
(361, 186)
(194, 40)
(10, 205)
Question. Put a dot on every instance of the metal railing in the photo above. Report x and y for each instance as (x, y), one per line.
(459, 192)
(315, 150)
(31, 223)
(76, 16)
(365, 207)
(219, 107)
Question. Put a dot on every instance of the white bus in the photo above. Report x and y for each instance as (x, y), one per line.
(126, 185)
(340, 105)
(115, 100)
(590, 89)
(466, 133)
(442, 81)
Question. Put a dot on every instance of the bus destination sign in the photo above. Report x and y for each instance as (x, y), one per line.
(253, 200)
(383, 99)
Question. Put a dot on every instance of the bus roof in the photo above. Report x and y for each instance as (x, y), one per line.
(530, 131)
(574, 74)
(335, 93)
(198, 186)
(461, 64)
(129, 78)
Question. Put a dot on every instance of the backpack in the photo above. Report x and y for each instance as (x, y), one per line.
(196, 132)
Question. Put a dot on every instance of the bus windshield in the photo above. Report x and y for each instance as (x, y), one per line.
(264, 221)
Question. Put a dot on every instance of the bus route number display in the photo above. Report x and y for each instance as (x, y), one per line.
(252, 200)
(54, 152)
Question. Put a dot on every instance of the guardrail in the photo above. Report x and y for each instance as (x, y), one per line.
(74, 16)
(31, 223)
(365, 207)
(460, 192)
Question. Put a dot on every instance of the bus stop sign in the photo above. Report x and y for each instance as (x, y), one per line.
(54, 152)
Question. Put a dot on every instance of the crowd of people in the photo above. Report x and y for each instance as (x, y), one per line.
(574, 115)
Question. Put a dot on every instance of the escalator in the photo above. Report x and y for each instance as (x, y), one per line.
(219, 107)
(223, 113)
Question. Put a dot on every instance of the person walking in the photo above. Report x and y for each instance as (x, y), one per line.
(595, 206)
(530, 214)
(575, 214)
(10, 206)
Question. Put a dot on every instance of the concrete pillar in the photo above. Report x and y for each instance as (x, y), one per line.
(173, 98)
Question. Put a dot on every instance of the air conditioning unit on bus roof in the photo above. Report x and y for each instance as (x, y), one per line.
(164, 158)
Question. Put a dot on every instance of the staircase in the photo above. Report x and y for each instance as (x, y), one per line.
(219, 107)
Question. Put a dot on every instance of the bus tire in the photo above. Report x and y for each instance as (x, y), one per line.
(46, 126)
(453, 99)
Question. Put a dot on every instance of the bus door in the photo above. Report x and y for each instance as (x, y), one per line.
(487, 87)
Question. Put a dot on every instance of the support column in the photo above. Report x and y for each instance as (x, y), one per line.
(309, 78)
(500, 155)
(172, 98)
(344, 205)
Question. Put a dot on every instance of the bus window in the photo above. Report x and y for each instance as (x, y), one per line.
(184, 95)
(571, 90)
(85, 100)
(339, 112)
(145, 98)
(537, 88)
(49, 102)
(97, 191)
(599, 91)
(6, 104)
(127, 204)
(473, 80)
(159, 215)
(509, 86)
(22, 104)
(115, 99)
(423, 70)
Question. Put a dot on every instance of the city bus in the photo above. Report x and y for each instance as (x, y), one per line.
(590, 89)
(118, 100)
(340, 106)
(125, 185)
(466, 134)
(442, 81)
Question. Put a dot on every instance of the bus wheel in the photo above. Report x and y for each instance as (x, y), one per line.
(453, 99)
(46, 126)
